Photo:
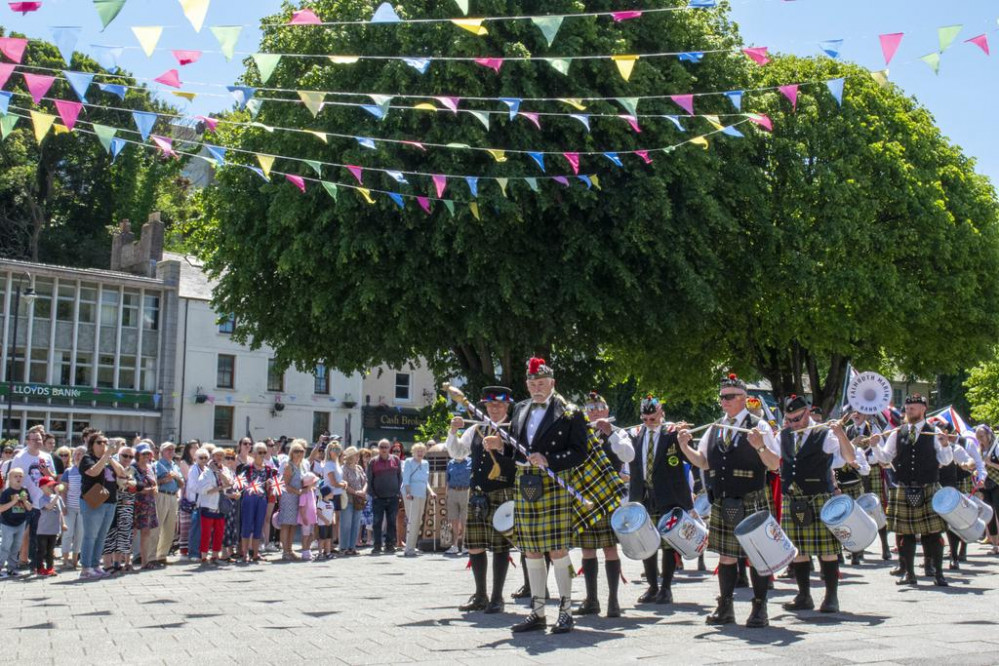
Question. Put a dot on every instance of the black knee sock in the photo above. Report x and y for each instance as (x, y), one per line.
(480, 562)
(830, 571)
(727, 573)
(934, 550)
(669, 567)
(523, 570)
(613, 569)
(591, 569)
(907, 553)
(802, 577)
(741, 564)
(954, 542)
(962, 548)
(760, 584)
(883, 533)
(650, 564)
(501, 564)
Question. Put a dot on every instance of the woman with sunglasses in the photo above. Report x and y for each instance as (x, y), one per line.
(188, 507)
(146, 521)
(332, 475)
(118, 543)
(72, 538)
(256, 476)
(294, 470)
(230, 538)
(97, 468)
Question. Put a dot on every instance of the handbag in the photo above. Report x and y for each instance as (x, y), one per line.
(801, 511)
(914, 496)
(360, 501)
(733, 510)
(532, 487)
(341, 501)
(96, 496)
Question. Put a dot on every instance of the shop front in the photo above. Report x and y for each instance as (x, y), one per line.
(391, 423)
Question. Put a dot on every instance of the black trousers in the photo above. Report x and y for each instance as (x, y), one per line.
(385, 508)
(44, 551)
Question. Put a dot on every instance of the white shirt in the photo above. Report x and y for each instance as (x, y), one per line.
(326, 510)
(535, 417)
(33, 470)
(459, 447)
(830, 445)
(621, 445)
(191, 487)
(334, 468)
(969, 451)
(768, 434)
(885, 453)
(205, 482)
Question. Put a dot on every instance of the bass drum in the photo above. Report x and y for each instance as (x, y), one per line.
(635, 531)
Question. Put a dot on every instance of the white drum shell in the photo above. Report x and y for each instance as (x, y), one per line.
(985, 512)
(973, 533)
(767, 546)
(871, 503)
(635, 531)
(849, 523)
(956, 509)
(689, 536)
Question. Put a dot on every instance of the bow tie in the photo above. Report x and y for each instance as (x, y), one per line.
(539, 405)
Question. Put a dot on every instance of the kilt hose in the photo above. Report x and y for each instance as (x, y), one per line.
(814, 538)
(545, 524)
(479, 532)
(721, 535)
(854, 490)
(904, 519)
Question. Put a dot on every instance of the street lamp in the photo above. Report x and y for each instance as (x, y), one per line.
(29, 296)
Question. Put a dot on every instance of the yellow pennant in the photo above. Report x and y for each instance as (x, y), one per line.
(313, 100)
(700, 141)
(881, 77)
(319, 135)
(474, 207)
(343, 60)
(195, 11)
(266, 162)
(425, 106)
(625, 63)
(366, 193)
(595, 179)
(502, 183)
(148, 36)
(498, 155)
(474, 26)
(189, 96)
(60, 129)
(574, 103)
(43, 123)
(715, 122)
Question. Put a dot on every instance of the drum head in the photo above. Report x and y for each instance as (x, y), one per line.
(836, 510)
(751, 522)
(946, 500)
(869, 393)
(670, 521)
(503, 517)
(868, 502)
(629, 518)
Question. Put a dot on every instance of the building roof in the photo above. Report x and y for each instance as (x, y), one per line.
(72, 272)
(194, 282)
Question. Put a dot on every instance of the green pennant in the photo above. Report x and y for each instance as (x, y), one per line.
(227, 35)
(316, 166)
(104, 135)
(482, 117)
(253, 106)
(947, 35)
(266, 62)
(630, 104)
(532, 183)
(933, 60)
(7, 125)
(330, 188)
(382, 101)
(561, 65)
(548, 25)
(450, 206)
(108, 10)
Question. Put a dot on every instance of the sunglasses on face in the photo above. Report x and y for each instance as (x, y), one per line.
(796, 419)
(230, 457)
(63, 455)
(124, 456)
(729, 396)
(203, 458)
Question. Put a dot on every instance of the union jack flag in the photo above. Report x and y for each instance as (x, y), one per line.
(239, 483)
(277, 487)
(255, 488)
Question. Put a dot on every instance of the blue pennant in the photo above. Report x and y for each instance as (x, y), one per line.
(398, 176)
(5, 102)
(65, 38)
(144, 121)
(586, 179)
(108, 56)
(735, 96)
(419, 64)
(731, 131)
(375, 110)
(115, 89)
(836, 89)
(473, 185)
(676, 121)
(539, 158)
(614, 158)
(831, 47)
(365, 142)
(242, 94)
(583, 118)
(397, 198)
(513, 103)
(80, 83)
(218, 152)
(117, 145)
(691, 56)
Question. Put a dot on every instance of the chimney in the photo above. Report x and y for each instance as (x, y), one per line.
(138, 257)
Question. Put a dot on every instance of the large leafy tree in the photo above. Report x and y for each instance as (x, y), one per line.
(562, 272)
(57, 200)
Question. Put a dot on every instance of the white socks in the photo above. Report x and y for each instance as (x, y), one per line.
(563, 578)
(537, 575)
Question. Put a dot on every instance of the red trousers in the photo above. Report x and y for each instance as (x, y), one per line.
(211, 534)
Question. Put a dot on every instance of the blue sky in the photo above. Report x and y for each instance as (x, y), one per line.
(959, 97)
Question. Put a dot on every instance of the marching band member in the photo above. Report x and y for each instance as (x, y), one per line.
(737, 465)
(917, 455)
(875, 482)
(987, 444)
(964, 473)
(807, 460)
(660, 482)
(557, 436)
(493, 471)
(850, 478)
(619, 450)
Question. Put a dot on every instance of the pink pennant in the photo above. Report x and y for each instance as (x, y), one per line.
(624, 16)
(573, 160)
(6, 69)
(25, 7)
(633, 121)
(69, 112)
(685, 102)
(210, 123)
(38, 85)
(356, 171)
(533, 117)
(449, 102)
(440, 182)
(13, 47)
(492, 63)
(762, 120)
(186, 57)
(758, 54)
(304, 17)
(297, 181)
(982, 42)
(165, 144)
(415, 144)
(889, 45)
(424, 204)
(169, 78)
(791, 92)
(644, 154)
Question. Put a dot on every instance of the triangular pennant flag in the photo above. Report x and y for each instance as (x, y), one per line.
(831, 47)
(449, 102)
(242, 94)
(762, 120)
(474, 26)
(450, 206)
(462, 5)
(397, 198)
(7, 125)
(625, 64)
(266, 62)
(632, 122)
(836, 89)
(144, 121)
(561, 180)
(5, 98)
(319, 135)
(502, 182)
(735, 96)
(304, 17)
(498, 155)
(169, 78)
(791, 92)
(933, 60)
(880, 77)
(266, 162)
(6, 69)
(69, 112)
(217, 153)
(210, 123)
(330, 188)
(385, 14)
(548, 25)
(700, 141)
(297, 181)
(691, 56)
(732, 131)
(713, 121)
(164, 144)
(43, 123)
(425, 106)
(104, 135)
(65, 38)
(473, 185)
(513, 104)
(644, 154)
(115, 89)
(419, 64)
(474, 207)
(676, 121)
(253, 106)
(889, 45)
(13, 47)
(532, 183)
(357, 172)
(38, 85)
(630, 104)
(533, 117)
(981, 41)
(313, 100)
(424, 204)
(397, 176)
(685, 102)
(757, 54)
(573, 160)
(947, 35)
(625, 15)
(195, 12)
(440, 183)
(189, 96)
(343, 60)
(186, 57)
(586, 179)
(108, 10)
(583, 118)
(613, 157)
(383, 101)
(560, 65)
(366, 193)
(79, 82)
(482, 117)
(25, 8)
(539, 158)
(574, 102)
(108, 56)
(117, 145)
(316, 166)
(492, 63)
(227, 36)
(365, 142)
(148, 36)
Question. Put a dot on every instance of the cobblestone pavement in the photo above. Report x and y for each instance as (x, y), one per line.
(388, 609)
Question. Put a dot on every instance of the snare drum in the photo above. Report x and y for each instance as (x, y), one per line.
(849, 523)
(503, 519)
(765, 543)
(702, 507)
(985, 512)
(683, 533)
(635, 531)
(955, 508)
(871, 504)
(973, 533)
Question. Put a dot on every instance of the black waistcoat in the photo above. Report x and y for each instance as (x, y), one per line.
(916, 464)
(482, 465)
(736, 470)
(809, 470)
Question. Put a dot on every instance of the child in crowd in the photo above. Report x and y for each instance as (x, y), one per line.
(307, 512)
(14, 510)
(51, 524)
(325, 512)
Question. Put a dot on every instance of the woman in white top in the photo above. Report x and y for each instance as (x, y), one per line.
(72, 538)
(332, 475)
(415, 487)
(212, 482)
